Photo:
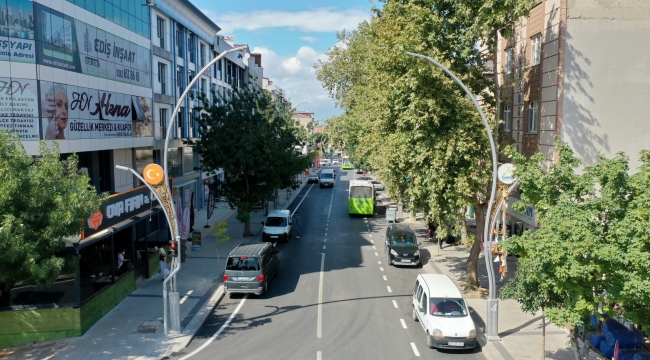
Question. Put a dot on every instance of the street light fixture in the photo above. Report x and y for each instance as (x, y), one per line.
(170, 209)
(492, 302)
(300, 103)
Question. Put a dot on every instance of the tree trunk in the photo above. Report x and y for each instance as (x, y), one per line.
(472, 260)
(247, 228)
(574, 343)
(543, 335)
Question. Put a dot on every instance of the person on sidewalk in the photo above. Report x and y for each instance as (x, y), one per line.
(297, 224)
(162, 259)
(121, 267)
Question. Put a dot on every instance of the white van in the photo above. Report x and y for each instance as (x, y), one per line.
(327, 178)
(277, 226)
(440, 308)
(325, 162)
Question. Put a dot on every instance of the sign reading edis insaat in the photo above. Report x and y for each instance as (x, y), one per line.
(70, 44)
(118, 208)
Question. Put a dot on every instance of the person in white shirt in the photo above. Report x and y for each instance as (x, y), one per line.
(120, 261)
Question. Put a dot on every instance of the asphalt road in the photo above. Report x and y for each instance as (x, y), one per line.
(334, 297)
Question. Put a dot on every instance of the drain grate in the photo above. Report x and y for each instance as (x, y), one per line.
(149, 326)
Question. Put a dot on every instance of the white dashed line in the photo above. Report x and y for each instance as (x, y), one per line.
(379, 262)
(319, 355)
(389, 289)
(323, 247)
(381, 268)
(403, 323)
(326, 228)
(415, 350)
(372, 241)
(319, 325)
(186, 296)
(325, 234)
(376, 254)
(385, 278)
(395, 304)
(374, 247)
(324, 240)
(370, 235)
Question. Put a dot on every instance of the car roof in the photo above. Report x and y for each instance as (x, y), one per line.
(279, 213)
(441, 285)
(251, 248)
(401, 229)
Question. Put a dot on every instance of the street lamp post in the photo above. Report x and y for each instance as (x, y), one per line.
(492, 302)
(170, 209)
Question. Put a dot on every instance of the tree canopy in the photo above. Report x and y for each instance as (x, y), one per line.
(42, 201)
(253, 139)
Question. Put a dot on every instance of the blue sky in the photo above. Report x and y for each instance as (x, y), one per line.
(291, 35)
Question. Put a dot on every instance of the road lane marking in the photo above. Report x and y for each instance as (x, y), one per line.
(210, 340)
(186, 296)
(389, 289)
(403, 323)
(376, 254)
(326, 228)
(385, 278)
(381, 268)
(370, 235)
(415, 350)
(325, 240)
(374, 247)
(323, 247)
(319, 329)
(379, 262)
(319, 355)
(330, 210)
(325, 234)
(395, 304)
(372, 241)
(303, 199)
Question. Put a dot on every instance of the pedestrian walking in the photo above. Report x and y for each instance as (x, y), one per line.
(297, 224)
(162, 259)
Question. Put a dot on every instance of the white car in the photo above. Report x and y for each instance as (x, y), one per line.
(440, 308)
(377, 184)
(325, 162)
(335, 161)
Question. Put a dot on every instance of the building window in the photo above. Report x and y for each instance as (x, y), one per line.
(174, 162)
(537, 49)
(203, 53)
(509, 54)
(161, 31)
(188, 159)
(163, 123)
(219, 69)
(204, 87)
(180, 120)
(191, 40)
(162, 75)
(180, 75)
(533, 117)
(180, 36)
(507, 118)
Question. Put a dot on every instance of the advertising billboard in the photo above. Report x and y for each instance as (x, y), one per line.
(73, 112)
(70, 44)
(17, 31)
(19, 107)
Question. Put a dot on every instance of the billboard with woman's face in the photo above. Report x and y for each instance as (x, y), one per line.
(73, 112)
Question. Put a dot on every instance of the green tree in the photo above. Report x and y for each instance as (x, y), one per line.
(42, 201)
(592, 250)
(253, 139)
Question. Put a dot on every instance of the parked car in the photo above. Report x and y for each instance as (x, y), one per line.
(440, 308)
(277, 226)
(250, 268)
(335, 161)
(377, 184)
(312, 178)
(367, 178)
(401, 246)
(325, 162)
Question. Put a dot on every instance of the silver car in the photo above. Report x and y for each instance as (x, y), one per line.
(377, 184)
(250, 268)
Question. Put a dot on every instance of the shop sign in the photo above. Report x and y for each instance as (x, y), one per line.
(118, 208)
(19, 107)
(70, 44)
(528, 216)
(17, 31)
(505, 173)
(72, 112)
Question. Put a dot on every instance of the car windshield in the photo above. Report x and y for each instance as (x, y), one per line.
(326, 176)
(361, 192)
(313, 176)
(376, 182)
(243, 263)
(403, 240)
(276, 221)
(448, 307)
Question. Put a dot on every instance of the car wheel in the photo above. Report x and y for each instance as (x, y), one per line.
(430, 341)
(388, 259)
(266, 289)
(415, 315)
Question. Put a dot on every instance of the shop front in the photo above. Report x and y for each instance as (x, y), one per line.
(518, 222)
(118, 245)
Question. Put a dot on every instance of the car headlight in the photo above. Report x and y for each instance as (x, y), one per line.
(416, 253)
(436, 333)
(285, 232)
(393, 252)
(472, 334)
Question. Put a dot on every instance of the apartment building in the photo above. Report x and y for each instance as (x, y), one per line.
(577, 69)
(101, 78)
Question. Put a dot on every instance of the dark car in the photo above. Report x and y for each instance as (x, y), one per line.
(312, 178)
(401, 246)
(250, 268)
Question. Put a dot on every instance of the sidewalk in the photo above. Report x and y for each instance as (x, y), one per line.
(133, 329)
(520, 333)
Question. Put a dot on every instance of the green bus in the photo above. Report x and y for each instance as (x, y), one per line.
(361, 198)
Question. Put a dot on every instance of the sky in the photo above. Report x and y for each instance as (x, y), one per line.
(291, 35)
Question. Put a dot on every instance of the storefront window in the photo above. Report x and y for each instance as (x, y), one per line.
(174, 162)
(142, 159)
(188, 160)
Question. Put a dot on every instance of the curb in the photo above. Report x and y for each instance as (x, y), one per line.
(198, 319)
